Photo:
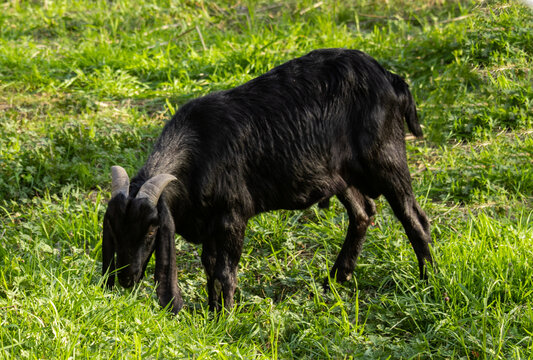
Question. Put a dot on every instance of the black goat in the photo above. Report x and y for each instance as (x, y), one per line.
(328, 123)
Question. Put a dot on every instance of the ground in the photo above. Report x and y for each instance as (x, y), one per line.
(86, 85)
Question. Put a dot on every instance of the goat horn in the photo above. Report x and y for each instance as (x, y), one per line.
(120, 181)
(153, 188)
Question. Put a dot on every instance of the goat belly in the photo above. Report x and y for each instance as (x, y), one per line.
(293, 193)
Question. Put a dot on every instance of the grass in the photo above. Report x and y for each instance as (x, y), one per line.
(88, 84)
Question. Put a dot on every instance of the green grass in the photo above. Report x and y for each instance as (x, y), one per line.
(88, 84)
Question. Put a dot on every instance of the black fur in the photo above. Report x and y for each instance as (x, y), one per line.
(328, 123)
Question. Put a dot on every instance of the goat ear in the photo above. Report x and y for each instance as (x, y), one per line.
(166, 274)
(153, 188)
(120, 182)
(108, 255)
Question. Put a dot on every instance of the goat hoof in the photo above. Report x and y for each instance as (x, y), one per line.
(325, 285)
(175, 306)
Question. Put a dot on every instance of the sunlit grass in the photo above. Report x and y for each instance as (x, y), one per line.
(88, 84)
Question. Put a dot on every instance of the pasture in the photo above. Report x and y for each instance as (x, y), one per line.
(85, 85)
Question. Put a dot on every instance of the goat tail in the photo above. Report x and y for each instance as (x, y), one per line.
(407, 103)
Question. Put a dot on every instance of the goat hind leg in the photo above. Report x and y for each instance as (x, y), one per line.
(399, 194)
(360, 211)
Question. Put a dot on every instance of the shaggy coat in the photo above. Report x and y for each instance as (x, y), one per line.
(330, 123)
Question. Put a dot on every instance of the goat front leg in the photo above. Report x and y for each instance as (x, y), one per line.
(220, 257)
(166, 276)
